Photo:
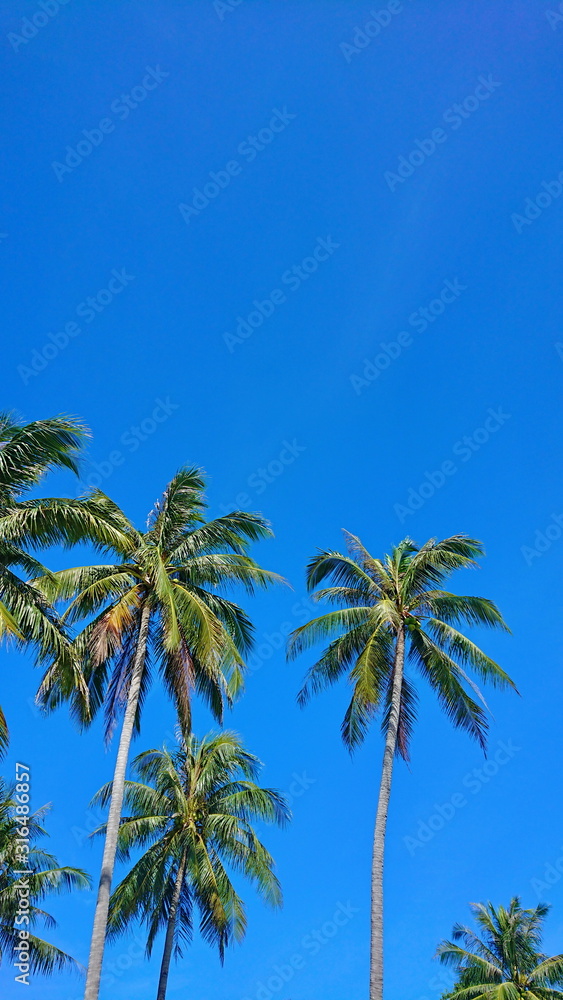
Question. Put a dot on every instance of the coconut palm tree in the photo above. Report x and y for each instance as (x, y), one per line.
(27, 452)
(191, 813)
(389, 609)
(39, 875)
(505, 961)
(159, 603)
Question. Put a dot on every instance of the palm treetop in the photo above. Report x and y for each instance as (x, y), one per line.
(192, 813)
(403, 594)
(173, 575)
(503, 959)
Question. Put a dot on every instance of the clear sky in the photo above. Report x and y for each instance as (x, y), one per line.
(180, 164)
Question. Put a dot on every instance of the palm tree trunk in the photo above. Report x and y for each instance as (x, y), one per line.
(169, 942)
(110, 847)
(376, 968)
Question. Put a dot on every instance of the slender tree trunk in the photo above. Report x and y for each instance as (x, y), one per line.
(169, 942)
(110, 847)
(376, 968)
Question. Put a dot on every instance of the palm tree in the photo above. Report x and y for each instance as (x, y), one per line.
(191, 812)
(27, 452)
(389, 609)
(505, 962)
(39, 874)
(160, 603)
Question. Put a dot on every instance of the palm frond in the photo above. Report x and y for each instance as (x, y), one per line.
(27, 451)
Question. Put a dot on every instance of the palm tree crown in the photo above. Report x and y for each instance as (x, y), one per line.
(379, 599)
(173, 573)
(192, 812)
(505, 961)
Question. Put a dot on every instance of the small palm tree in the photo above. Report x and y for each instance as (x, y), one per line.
(159, 603)
(27, 452)
(390, 609)
(191, 813)
(505, 961)
(40, 876)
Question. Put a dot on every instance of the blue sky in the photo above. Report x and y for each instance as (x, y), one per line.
(406, 379)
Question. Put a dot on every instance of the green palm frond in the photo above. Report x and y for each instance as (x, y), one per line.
(179, 509)
(369, 678)
(328, 626)
(231, 532)
(221, 569)
(436, 560)
(67, 522)
(343, 570)
(339, 657)
(460, 648)
(447, 680)
(27, 451)
(455, 609)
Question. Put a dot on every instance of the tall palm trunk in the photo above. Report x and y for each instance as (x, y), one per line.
(108, 861)
(169, 942)
(376, 968)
